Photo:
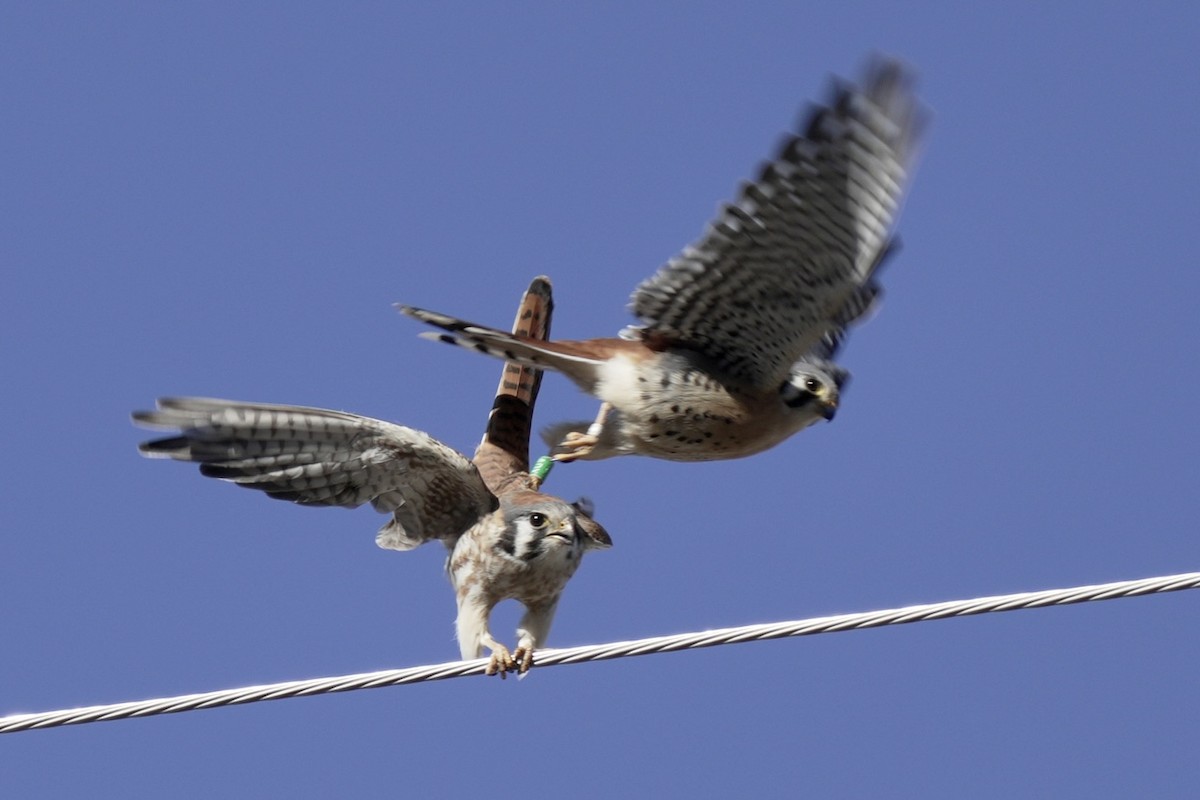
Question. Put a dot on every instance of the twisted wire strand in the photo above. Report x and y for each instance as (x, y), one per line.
(601, 652)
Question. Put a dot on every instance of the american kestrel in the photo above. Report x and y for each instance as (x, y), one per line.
(735, 351)
(505, 539)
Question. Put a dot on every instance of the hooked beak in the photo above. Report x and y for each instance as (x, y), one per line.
(565, 531)
(829, 411)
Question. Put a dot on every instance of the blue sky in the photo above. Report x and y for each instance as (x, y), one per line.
(226, 199)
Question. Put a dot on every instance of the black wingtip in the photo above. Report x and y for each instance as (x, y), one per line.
(174, 446)
(541, 286)
(886, 76)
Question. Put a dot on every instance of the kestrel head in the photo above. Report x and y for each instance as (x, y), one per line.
(814, 388)
(539, 527)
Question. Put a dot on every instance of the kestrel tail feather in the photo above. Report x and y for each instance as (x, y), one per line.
(533, 322)
(504, 451)
(570, 358)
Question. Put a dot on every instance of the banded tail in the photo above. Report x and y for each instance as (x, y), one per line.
(573, 359)
(504, 451)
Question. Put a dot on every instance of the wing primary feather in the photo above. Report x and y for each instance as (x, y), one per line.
(792, 257)
(314, 456)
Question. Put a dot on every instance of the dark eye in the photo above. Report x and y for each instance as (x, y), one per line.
(812, 384)
(538, 520)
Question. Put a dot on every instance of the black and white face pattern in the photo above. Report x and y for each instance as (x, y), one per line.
(549, 529)
(814, 389)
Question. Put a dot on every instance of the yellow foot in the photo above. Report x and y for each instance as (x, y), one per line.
(575, 445)
(524, 659)
(501, 662)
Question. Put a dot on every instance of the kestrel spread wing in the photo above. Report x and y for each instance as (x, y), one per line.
(317, 457)
(771, 276)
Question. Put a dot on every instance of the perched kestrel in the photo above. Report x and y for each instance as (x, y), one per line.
(735, 351)
(505, 539)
